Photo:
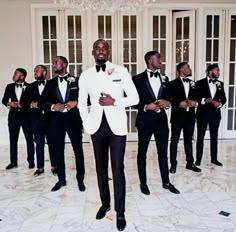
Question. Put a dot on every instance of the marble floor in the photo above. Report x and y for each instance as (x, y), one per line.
(28, 205)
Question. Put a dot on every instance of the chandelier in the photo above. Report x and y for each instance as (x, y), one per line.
(103, 5)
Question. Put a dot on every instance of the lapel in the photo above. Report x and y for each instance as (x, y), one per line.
(207, 87)
(181, 86)
(58, 92)
(67, 92)
(149, 85)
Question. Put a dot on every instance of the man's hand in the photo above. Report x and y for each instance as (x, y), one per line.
(152, 106)
(58, 107)
(13, 104)
(208, 100)
(71, 104)
(192, 103)
(106, 100)
(34, 104)
(163, 103)
(215, 103)
(183, 104)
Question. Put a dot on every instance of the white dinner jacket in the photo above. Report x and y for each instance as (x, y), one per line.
(114, 81)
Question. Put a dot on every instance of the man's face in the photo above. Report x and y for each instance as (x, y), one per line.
(156, 61)
(18, 76)
(39, 73)
(186, 70)
(215, 73)
(58, 65)
(101, 52)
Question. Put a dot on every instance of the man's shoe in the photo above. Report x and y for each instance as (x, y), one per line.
(144, 189)
(193, 167)
(54, 171)
(102, 211)
(173, 169)
(11, 165)
(31, 165)
(81, 187)
(171, 187)
(198, 163)
(120, 222)
(38, 172)
(58, 185)
(216, 162)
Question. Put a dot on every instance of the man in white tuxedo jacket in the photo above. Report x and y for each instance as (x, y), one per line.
(105, 84)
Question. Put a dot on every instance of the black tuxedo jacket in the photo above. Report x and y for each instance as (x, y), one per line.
(150, 119)
(10, 96)
(177, 93)
(203, 91)
(51, 95)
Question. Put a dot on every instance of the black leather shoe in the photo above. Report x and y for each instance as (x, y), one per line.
(11, 165)
(173, 169)
(120, 222)
(102, 211)
(38, 172)
(171, 187)
(54, 171)
(58, 185)
(193, 167)
(216, 162)
(81, 187)
(31, 165)
(144, 189)
(198, 163)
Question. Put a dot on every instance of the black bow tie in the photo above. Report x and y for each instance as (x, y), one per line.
(155, 74)
(41, 83)
(19, 85)
(186, 80)
(212, 81)
(101, 66)
(63, 78)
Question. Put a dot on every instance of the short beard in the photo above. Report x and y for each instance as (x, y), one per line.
(100, 61)
(189, 75)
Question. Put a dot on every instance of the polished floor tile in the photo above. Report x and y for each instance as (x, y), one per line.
(27, 204)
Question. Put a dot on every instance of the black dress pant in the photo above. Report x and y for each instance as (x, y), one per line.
(104, 139)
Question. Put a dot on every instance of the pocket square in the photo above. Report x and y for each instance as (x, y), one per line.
(116, 80)
(74, 88)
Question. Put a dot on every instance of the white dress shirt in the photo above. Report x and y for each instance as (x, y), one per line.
(18, 90)
(155, 82)
(212, 87)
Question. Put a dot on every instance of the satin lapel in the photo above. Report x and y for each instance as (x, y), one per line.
(67, 92)
(181, 86)
(58, 93)
(207, 87)
(149, 85)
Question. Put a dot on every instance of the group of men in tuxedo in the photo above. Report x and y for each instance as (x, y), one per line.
(60, 106)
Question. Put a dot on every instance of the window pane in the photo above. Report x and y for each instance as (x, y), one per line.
(155, 45)
(78, 51)
(101, 27)
(186, 51)
(179, 28)
(163, 50)
(216, 50)
(133, 120)
(48, 71)
(53, 27)
(232, 50)
(46, 52)
(233, 26)
(231, 74)
(54, 48)
(79, 70)
(186, 27)
(78, 27)
(45, 27)
(70, 27)
(231, 97)
(155, 27)
(216, 26)
(133, 26)
(108, 27)
(133, 51)
(230, 120)
(72, 69)
(209, 26)
(134, 69)
(208, 50)
(178, 52)
(163, 26)
(163, 68)
(126, 27)
(71, 52)
(126, 51)
(234, 120)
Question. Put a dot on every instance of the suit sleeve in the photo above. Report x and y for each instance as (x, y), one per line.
(6, 96)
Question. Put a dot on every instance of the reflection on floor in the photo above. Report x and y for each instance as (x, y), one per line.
(28, 205)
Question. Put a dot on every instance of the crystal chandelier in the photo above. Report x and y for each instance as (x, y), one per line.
(103, 5)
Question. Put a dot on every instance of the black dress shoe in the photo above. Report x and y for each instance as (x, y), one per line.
(216, 162)
(11, 165)
(193, 167)
(144, 189)
(171, 187)
(38, 172)
(173, 169)
(58, 185)
(31, 165)
(81, 187)
(120, 222)
(102, 211)
(198, 163)
(54, 171)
